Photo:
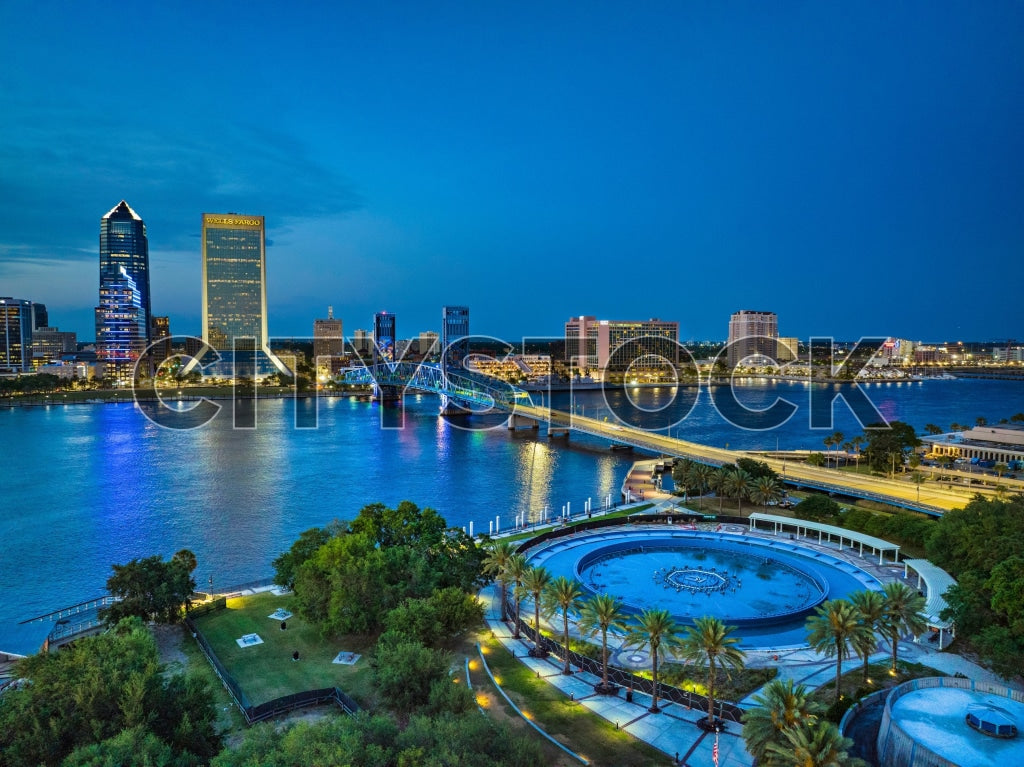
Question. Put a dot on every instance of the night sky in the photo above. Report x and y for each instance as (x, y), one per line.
(857, 168)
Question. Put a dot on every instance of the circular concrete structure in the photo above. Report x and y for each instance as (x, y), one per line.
(764, 587)
(925, 722)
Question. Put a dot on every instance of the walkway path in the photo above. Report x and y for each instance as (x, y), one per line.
(674, 731)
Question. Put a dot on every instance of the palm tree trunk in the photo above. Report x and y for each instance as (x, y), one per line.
(504, 605)
(839, 667)
(895, 647)
(866, 657)
(604, 658)
(711, 691)
(515, 634)
(654, 673)
(565, 625)
(536, 622)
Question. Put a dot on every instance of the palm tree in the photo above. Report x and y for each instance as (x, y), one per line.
(930, 428)
(764, 491)
(837, 440)
(870, 606)
(514, 573)
(602, 612)
(708, 644)
(781, 705)
(657, 628)
(697, 479)
(902, 614)
(831, 629)
(738, 485)
(829, 441)
(564, 594)
(855, 443)
(495, 562)
(718, 482)
(816, 745)
(535, 581)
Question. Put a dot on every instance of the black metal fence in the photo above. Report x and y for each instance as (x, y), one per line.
(723, 710)
(271, 708)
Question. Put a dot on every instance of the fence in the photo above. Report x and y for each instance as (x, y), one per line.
(271, 708)
(725, 711)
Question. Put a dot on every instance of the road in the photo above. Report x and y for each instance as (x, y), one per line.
(929, 497)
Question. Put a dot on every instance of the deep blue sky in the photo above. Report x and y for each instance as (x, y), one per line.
(856, 167)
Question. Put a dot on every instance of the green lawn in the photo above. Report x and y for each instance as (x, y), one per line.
(267, 671)
(611, 515)
(567, 721)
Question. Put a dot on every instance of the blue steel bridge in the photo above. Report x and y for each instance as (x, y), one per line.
(481, 393)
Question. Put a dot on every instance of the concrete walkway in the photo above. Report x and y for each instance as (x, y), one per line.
(673, 731)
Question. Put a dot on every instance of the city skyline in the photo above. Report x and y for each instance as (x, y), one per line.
(855, 173)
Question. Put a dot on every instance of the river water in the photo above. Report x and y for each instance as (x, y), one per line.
(85, 486)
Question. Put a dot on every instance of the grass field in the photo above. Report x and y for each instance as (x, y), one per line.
(267, 671)
(567, 721)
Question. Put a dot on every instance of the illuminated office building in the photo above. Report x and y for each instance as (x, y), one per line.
(454, 335)
(328, 340)
(123, 244)
(384, 338)
(120, 333)
(235, 288)
(15, 335)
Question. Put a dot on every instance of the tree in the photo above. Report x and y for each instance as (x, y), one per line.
(515, 571)
(932, 429)
(738, 486)
(435, 619)
(407, 524)
(889, 441)
(756, 469)
(719, 482)
(92, 690)
(764, 491)
(495, 562)
(708, 644)
(781, 705)
(817, 508)
(870, 606)
(136, 746)
(564, 594)
(815, 459)
(902, 614)
(701, 475)
(856, 442)
(151, 588)
(287, 564)
(405, 672)
(832, 629)
(816, 745)
(535, 581)
(657, 628)
(602, 613)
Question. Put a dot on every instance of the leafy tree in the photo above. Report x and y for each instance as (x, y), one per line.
(434, 619)
(535, 581)
(136, 746)
(756, 469)
(888, 442)
(602, 613)
(815, 459)
(89, 692)
(657, 628)
(494, 564)
(151, 588)
(564, 594)
(781, 706)
(817, 508)
(405, 525)
(708, 644)
(831, 630)
(287, 564)
(817, 745)
(405, 672)
(902, 614)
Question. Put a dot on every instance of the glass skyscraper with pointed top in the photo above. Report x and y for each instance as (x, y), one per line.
(123, 244)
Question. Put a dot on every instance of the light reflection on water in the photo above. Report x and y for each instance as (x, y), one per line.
(85, 486)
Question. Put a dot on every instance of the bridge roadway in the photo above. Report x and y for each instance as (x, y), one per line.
(930, 498)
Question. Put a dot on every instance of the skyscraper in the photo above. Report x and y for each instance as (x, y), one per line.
(383, 337)
(454, 336)
(123, 243)
(15, 335)
(120, 335)
(617, 345)
(234, 280)
(753, 334)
